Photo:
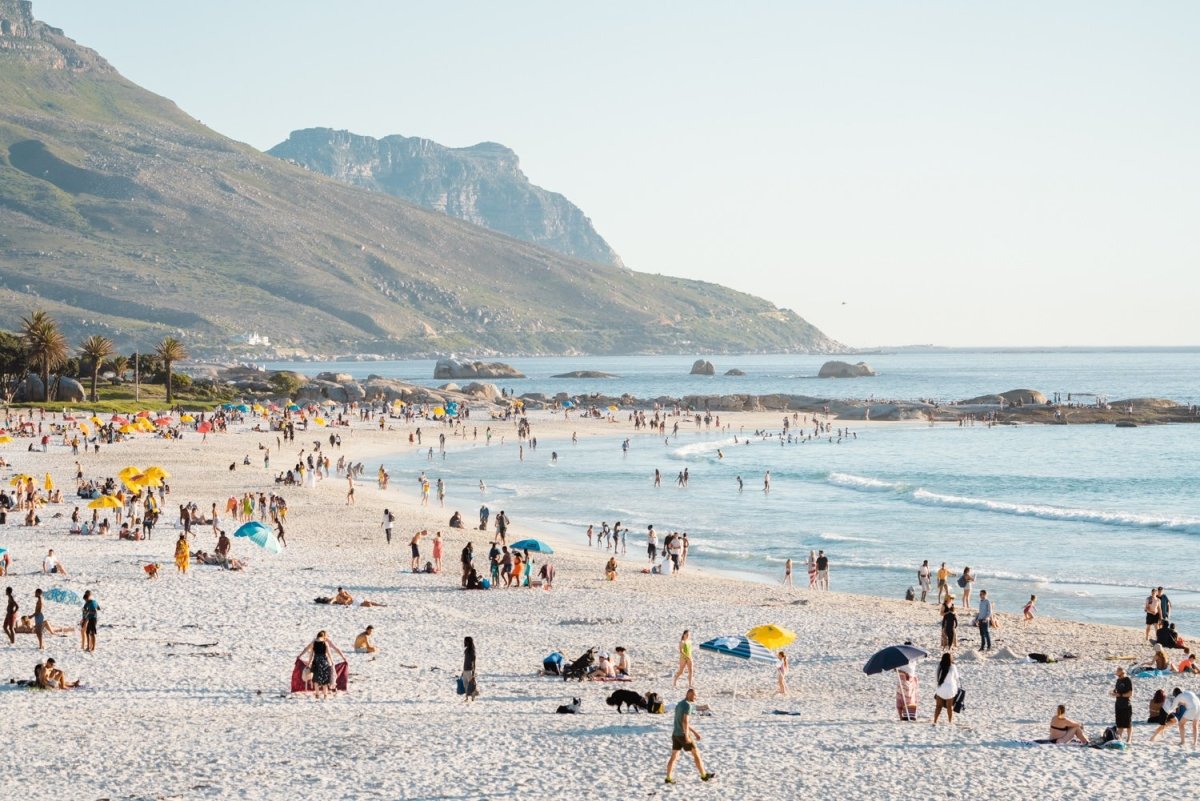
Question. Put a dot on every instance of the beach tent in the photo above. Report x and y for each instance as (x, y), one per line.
(260, 535)
(771, 636)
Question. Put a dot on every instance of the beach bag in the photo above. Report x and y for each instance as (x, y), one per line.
(910, 595)
(960, 700)
(1109, 735)
(962, 582)
(460, 686)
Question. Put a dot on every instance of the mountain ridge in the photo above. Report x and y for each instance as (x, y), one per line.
(481, 183)
(122, 215)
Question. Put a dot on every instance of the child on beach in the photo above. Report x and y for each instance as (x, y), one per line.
(1030, 608)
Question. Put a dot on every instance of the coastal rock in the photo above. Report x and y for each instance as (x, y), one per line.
(70, 390)
(585, 374)
(487, 392)
(337, 378)
(31, 389)
(836, 369)
(734, 371)
(454, 368)
(1014, 397)
(354, 391)
(703, 367)
(450, 387)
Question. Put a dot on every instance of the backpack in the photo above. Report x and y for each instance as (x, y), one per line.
(1109, 735)
(962, 581)
(910, 595)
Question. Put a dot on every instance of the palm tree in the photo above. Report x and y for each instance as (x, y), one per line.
(95, 349)
(170, 350)
(48, 348)
(119, 365)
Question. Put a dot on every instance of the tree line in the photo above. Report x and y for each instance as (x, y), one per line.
(40, 348)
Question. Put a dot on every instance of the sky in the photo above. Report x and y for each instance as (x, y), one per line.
(953, 173)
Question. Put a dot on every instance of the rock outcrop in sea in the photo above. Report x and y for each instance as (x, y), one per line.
(836, 369)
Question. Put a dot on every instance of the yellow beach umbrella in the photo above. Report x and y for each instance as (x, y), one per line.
(259, 409)
(398, 402)
(4, 438)
(319, 421)
(127, 429)
(772, 636)
(157, 472)
(83, 429)
(97, 421)
(105, 502)
(126, 472)
(187, 418)
(18, 480)
(438, 410)
(613, 408)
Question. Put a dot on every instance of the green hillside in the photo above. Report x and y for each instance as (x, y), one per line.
(119, 214)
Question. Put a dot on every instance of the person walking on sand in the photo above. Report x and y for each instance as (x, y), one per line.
(811, 564)
(947, 688)
(686, 663)
(1185, 707)
(469, 680)
(923, 578)
(183, 556)
(437, 552)
(39, 618)
(350, 488)
(389, 520)
(1123, 692)
(781, 671)
(89, 622)
(10, 615)
(787, 573)
(685, 738)
(949, 626)
(943, 576)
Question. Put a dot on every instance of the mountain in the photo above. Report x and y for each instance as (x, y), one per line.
(120, 214)
(482, 184)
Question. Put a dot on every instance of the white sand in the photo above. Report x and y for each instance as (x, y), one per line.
(164, 718)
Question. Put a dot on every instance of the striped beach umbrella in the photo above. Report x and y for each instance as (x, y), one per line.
(739, 647)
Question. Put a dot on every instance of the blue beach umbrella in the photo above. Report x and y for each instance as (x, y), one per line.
(260, 535)
(227, 407)
(61, 596)
(293, 407)
(536, 546)
(568, 404)
(739, 647)
(243, 408)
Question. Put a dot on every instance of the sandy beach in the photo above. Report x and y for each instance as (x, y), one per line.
(187, 693)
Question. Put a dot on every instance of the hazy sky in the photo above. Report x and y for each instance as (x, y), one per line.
(958, 173)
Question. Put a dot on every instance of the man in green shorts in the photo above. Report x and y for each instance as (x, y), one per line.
(684, 737)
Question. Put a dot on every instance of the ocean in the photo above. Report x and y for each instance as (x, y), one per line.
(1086, 517)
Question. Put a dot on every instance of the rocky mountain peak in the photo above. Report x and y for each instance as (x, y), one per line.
(26, 39)
(482, 184)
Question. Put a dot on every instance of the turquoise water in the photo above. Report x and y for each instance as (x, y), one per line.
(1086, 517)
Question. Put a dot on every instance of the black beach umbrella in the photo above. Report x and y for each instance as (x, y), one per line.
(892, 657)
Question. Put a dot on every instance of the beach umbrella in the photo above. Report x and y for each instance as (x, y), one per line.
(258, 409)
(118, 420)
(143, 413)
(62, 596)
(613, 408)
(49, 483)
(260, 535)
(126, 472)
(187, 418)
(892, 657)
(293, 407)
(97, 421)
(5, 438)
(739, 647)
(83, 429)
(157, 472)
(105, 502)
(204, 427)
(127, 429)
(243, 408)
(773, 637)
(18, 480)
(568, 404)
(227, 407)
(531, 545)
(319, 421)
(398, 402)
(162, 421)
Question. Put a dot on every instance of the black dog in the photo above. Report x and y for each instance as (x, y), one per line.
(580, 667)
(628, 698)
(571, 708)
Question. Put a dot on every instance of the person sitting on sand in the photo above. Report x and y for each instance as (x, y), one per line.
(51, 564)
(1157, 712)
(363, 644)
(456, 520)
(610, 569)
(342, 598)
(1063, 730)
(473, 582)
(1187, 664)
(55, 678)
(1159, 662)
(622, 666)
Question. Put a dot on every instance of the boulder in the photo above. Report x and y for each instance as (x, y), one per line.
(703, 367)
(450, 387)
(354, 391)
(454, 369)
(487, 392)
(1014, 397)
(30, 390)
(70, 390)
(336, 378)
(836, 369)
(734, 371)
(585, 374)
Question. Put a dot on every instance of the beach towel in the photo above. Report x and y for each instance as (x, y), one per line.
(1150, 674)
(299, 685)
